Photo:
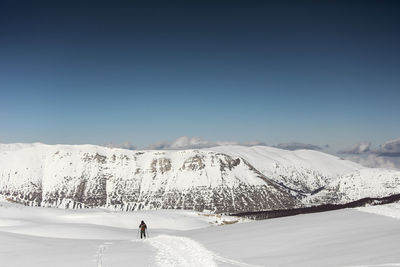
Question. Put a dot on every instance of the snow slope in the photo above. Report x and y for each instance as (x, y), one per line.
(336, 238)
(266, 158)
(33, 236)
(390, 210)
(302, 170)
(368, 182)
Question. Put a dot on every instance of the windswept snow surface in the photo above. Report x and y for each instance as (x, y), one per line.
(390, 210)
(33, 236)
(181, 251)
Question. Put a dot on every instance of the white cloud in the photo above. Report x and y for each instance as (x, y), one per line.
(297, 146)
(356, 149)
(125, 145)
(386, 156)
(375, 161)
(254, 143)
(192, 142)
(185, 142)
(390, 148)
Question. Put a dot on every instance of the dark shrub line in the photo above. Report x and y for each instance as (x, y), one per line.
(269, 214)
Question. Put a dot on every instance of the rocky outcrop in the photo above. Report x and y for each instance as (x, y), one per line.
(76, 177)
(224, 179)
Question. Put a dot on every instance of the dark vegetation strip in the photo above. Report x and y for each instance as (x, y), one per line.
(269, 214)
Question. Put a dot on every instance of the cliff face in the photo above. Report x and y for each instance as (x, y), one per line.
(76, 176)
(222, 179)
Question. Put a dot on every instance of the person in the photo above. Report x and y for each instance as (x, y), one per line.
(143, 228)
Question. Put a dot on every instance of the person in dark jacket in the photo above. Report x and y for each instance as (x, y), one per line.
(143, 228)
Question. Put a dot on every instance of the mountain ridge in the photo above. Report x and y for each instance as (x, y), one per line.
(220, 179)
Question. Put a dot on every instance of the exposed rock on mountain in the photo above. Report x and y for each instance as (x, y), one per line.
(221, 179)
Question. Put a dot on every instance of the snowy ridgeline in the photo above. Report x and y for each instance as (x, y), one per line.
(220, 179)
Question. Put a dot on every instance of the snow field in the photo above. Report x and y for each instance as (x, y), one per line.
(32, 236)
(390, 210)
(98, 237)
(174, 251)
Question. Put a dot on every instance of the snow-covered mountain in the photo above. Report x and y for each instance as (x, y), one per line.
(221, 179)
(363, 183)
(302, 171)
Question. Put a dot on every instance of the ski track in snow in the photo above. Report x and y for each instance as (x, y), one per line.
(100, 253)
(233, 262)
(183, 251)
(376, 265)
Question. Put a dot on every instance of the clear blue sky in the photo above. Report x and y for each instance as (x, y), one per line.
(97, 72)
